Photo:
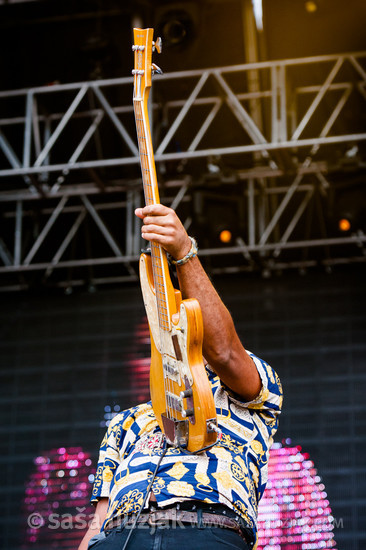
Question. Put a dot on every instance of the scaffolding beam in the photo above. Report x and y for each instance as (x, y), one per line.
(69, 164)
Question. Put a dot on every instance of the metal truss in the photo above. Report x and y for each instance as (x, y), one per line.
(69, 166)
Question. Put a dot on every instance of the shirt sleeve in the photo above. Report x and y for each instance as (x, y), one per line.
(109, 459)
(270, 397)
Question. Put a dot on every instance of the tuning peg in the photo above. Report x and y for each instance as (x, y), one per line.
(186, 413)
(156, 69)
(158, 44)
(186, 393)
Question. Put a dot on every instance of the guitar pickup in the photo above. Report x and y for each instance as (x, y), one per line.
(174, 402)
(171, 369)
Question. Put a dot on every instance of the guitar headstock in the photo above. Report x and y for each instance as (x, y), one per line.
(143, 66)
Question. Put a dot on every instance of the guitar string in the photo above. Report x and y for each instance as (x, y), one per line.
(149, 200)
(160, 289)
(147, 192)
(165, 318)
(157, 267)
(157, 261)
(157, 272)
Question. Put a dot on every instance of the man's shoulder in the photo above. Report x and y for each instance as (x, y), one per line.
(128, 416)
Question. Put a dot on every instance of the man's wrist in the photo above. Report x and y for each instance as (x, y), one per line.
(192, 253)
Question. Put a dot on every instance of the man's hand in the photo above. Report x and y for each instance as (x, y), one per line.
(96, 524)
(162, 225)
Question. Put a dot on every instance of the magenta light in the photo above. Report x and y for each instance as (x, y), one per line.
(59, 486)
(294, 513)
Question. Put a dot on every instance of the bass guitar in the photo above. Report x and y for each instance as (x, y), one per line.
(180, 391)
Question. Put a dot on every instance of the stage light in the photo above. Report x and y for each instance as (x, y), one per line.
(225, 231)
(294, 512)
(176, 26)
(218, 214)
(311, 6)
(344, 225)
(348, 207)
(258, 13)
(60, 481)
(225, 236)
(174, 31)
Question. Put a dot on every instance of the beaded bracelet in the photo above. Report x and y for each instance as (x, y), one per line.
(191, 254)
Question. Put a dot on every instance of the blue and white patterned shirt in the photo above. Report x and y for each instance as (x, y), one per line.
(233, 472)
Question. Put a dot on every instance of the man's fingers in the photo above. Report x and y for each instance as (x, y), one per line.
(155, 213)
(158, 238)
(156, 228)
(162, 225)
(157, 220)
(156, 210)
(139, 212)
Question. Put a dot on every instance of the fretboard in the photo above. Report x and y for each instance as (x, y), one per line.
(158, 255)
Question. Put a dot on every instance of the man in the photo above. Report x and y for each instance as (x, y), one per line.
(205, 499)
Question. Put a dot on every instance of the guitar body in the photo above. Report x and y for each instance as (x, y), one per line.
(180, 349)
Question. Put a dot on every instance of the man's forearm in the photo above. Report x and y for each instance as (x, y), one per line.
(219, 331)
(88, 535)
(96, 524)
(222, 347)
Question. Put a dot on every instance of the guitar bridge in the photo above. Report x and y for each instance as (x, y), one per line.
(176, 431)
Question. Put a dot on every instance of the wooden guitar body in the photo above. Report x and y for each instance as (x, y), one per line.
(177, 366)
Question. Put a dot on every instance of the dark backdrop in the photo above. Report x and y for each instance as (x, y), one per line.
(65, 358)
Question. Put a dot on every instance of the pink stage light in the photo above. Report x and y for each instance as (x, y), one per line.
(294, 513)
(56, 504)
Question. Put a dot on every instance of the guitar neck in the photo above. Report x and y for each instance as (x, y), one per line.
(163, 287)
